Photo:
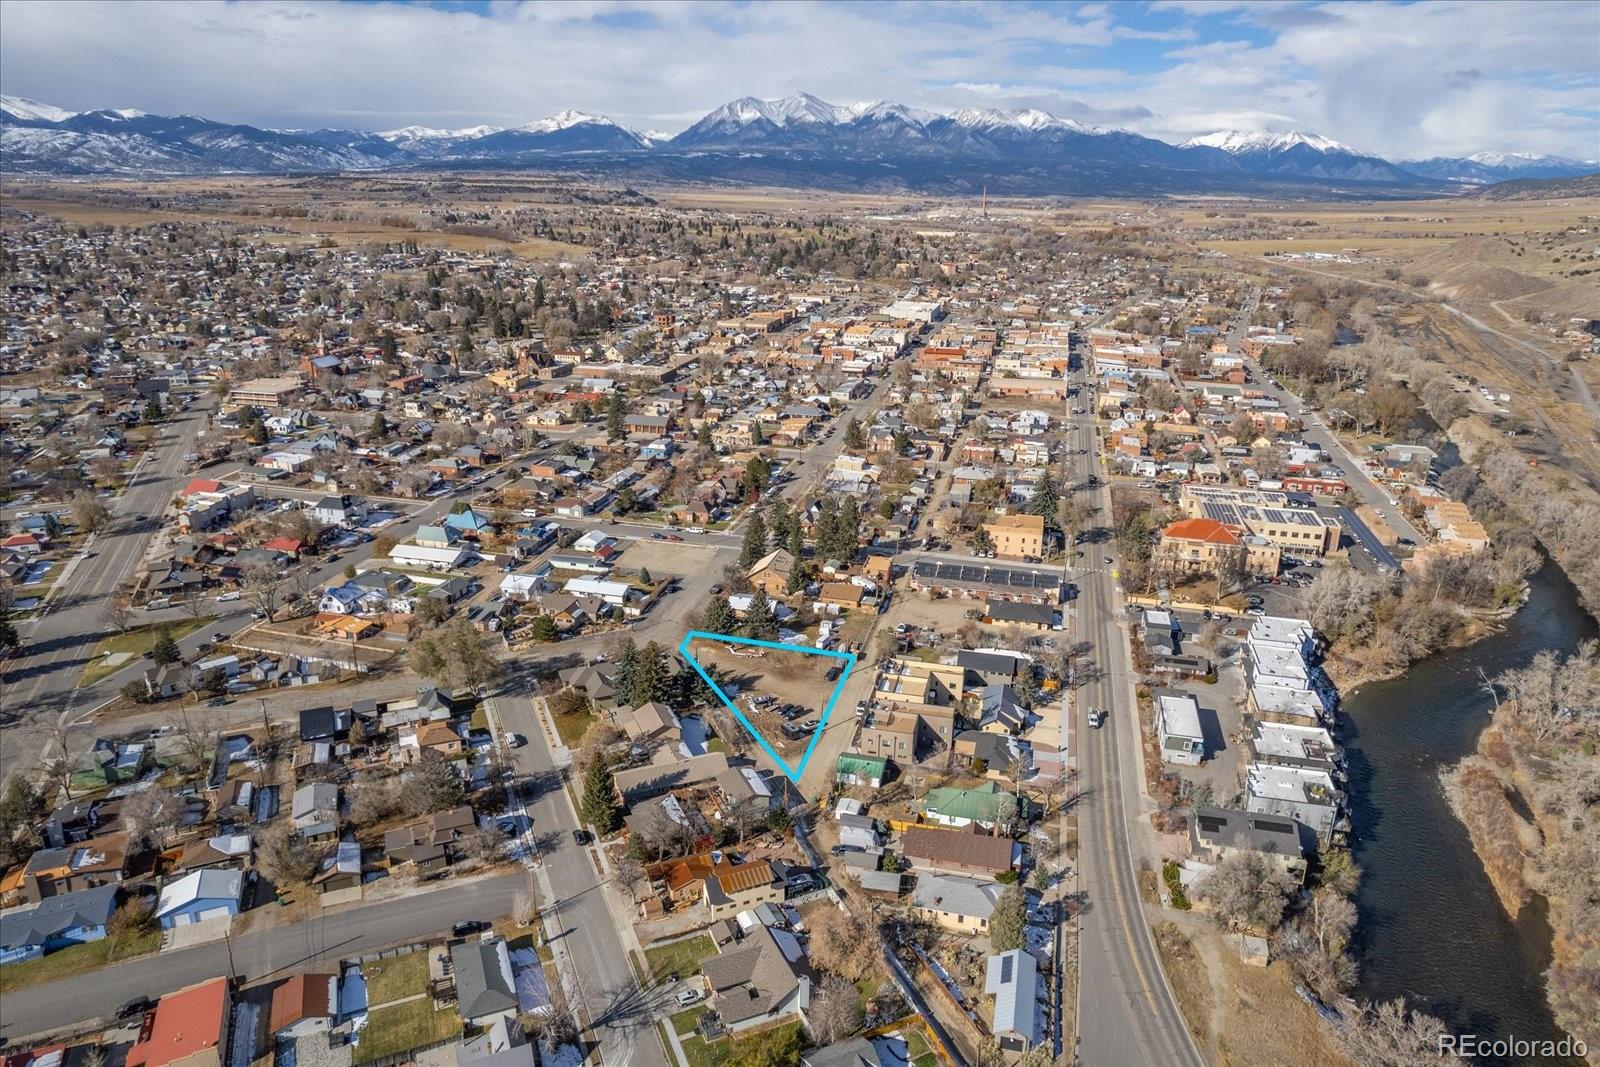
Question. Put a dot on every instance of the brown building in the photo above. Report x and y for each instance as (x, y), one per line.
(958, 851)
(1017, 536)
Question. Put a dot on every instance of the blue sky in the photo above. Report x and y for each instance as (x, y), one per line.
(1399, 79)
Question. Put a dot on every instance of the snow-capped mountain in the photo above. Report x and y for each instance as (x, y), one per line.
(798, 139)
(1295, 154)
(565, 131)
(20, 108)
(429, 140)
(1242, 141)
(1483, 168)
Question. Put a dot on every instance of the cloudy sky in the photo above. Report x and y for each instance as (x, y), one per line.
(1398, 79)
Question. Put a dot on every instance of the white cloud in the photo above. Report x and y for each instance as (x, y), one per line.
(1400, 79)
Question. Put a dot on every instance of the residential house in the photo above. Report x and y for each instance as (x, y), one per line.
(1017, 536)
(957, 903)
(485, 984)
(189, 1028)
(1182, 740)
(303, 1005)
(315, 809)
(97, 861)
(200, 896)
(430, 844)
(760, 979)
(1012, 979)
(74, 918)
(771, 573)
(964, 852)
(855, 768)
(986, 805)
(730, 889)
(1217, 833)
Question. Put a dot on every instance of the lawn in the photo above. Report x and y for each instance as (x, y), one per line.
(571, 728)
(918, 1051)
(684, 1022)
(396, 977)
(76, 960)
(136, 642)
(682, 957)
(718, 1052)
(405, 1026)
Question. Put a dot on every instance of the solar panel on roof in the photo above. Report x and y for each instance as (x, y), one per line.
(1211, 824)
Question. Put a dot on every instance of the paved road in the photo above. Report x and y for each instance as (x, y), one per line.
(264, 954)
(620, 1014)
(40, 680)
(1126, 1012)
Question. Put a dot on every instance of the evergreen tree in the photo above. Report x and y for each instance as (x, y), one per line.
(902, 441)
(152, 410)
(755, 541)
(380, 427)
(615, 413)
(796, 543)
(650, 679)
(165, 650)
(703, 437)
(854, 435)
(543, 628)
(718, 617)
(1005, 925)
(1045, 501)
(599, 804)
(582, 411)
(644, 575)
(624, 667)
(797, 577)
(759, 621)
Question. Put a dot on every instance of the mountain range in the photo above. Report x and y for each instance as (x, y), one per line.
(796, 140)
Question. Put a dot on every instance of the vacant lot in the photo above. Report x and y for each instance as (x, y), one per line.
(119, 650)
(396, 978)
(679, 957)
(787, 677)
(394, 1029)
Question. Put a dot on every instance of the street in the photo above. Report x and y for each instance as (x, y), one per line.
(1126, 1011)
(268, 953)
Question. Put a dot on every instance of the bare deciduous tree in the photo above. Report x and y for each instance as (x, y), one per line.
(835, 1011)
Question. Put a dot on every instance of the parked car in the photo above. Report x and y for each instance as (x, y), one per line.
(468, 927)
(581, 837)
(514, 740)
(1097, 718)
(136, 1006)
(840, 850)
(688, 996)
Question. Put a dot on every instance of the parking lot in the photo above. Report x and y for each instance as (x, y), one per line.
(782, 694)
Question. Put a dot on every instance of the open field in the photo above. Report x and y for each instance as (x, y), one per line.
(344, 231)
(787, 677)
(134, 644)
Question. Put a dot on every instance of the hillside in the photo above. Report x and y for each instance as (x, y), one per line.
(1482, 268)
(1541, 188)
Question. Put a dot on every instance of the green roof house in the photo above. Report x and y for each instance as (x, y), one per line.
(987, 805)
(856, 769)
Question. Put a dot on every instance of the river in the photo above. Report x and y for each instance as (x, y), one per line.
(1431, 928)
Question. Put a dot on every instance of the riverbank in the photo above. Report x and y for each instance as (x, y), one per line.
(1527, 804)
(1431, 924)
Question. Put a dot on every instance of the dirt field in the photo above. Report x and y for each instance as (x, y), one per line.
(787, 677)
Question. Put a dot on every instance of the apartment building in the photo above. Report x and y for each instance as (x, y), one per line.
(1017, 536)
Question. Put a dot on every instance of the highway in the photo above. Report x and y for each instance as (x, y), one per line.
(1126, 1011)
